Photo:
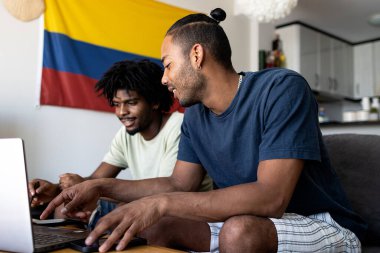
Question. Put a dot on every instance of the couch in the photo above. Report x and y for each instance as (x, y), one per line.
(356, 159)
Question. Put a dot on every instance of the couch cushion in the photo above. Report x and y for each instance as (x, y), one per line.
(356, 159)
(370, 249)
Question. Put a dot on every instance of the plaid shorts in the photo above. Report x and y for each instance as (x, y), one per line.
(297, 233)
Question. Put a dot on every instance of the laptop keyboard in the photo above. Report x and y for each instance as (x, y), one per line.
(49, 238)
(56, 237)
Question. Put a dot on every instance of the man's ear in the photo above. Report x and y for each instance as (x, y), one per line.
(197, 56)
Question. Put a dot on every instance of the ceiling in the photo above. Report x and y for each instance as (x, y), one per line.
(346, 19)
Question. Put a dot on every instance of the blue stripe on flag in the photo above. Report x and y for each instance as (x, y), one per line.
(65, 54)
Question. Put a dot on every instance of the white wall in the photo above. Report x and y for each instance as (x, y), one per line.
(241, 31)
(57, 139)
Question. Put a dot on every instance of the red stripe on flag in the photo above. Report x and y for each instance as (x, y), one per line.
(77, 91)
(71, 90)
(177, 107)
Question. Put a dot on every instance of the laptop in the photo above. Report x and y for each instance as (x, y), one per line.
(17, 233)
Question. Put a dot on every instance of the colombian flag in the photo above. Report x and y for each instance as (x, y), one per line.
(83, 38)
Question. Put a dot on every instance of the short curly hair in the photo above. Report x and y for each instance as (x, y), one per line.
(141, 76)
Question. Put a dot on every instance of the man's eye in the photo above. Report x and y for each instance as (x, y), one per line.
(167, 66)
(132, 102)
(115, 104)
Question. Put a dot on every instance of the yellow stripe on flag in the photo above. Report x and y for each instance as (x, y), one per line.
(135, 26)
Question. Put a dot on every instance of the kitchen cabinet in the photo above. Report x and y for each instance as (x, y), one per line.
(309, 58)
(364, 84)
(325, 62)
(376, 70)
(325, 52)
(300, 46)
(336, 66)
(343, 67)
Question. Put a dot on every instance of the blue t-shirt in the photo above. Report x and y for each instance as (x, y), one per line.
(274, 115)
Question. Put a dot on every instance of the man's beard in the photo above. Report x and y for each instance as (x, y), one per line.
(143, 124)
(196, 88)
(134, 131)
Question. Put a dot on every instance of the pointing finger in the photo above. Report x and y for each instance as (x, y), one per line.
(52, 206)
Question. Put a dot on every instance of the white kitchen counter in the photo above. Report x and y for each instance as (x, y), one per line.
(354, 127)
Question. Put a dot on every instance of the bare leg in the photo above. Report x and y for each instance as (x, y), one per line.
(179, 233)
(248, 234)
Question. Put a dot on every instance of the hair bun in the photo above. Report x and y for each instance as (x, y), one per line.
(218, 14)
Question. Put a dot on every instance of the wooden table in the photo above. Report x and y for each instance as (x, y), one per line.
(137, 249)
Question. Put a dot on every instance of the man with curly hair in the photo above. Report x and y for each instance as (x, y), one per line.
(147, 143)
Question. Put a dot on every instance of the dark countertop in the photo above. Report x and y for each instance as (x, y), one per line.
(356, 123)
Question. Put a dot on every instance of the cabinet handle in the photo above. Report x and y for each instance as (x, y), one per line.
(316, 80)
(331, 83)
(335, 84)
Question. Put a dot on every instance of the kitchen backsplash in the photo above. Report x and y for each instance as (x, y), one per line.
(344, 110)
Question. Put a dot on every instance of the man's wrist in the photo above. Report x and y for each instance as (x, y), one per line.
(103, 186)
(163, 204)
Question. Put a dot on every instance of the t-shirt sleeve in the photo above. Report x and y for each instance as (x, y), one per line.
(290, 120)
(115, 156)
(186, 151)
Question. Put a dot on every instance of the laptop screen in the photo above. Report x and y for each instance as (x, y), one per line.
(15, 218)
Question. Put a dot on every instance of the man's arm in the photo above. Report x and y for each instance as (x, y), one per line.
(185, 177)
(269, 196)
(104, 170)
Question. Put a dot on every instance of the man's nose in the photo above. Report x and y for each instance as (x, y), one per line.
(164, 80)
(123, 109)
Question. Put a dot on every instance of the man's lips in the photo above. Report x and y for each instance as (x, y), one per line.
(128, 122)
(172, 89)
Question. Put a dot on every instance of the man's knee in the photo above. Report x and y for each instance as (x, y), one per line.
(248, 234)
